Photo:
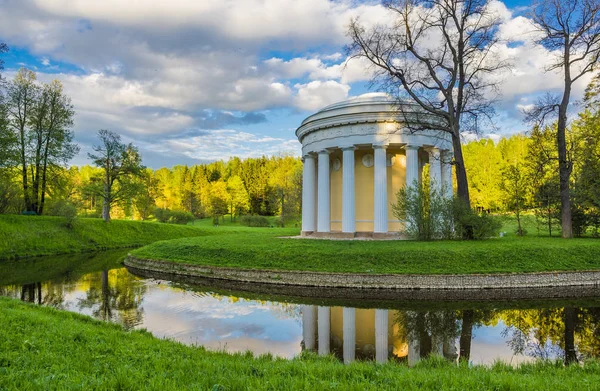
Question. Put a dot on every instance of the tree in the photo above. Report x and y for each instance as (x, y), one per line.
(514, 187)
(3, 49)
(237, 196)
(120, 163)
(286, 182)
(21, 96)
(217, 200)
(145, 200)
(571, 30)
(438, 55)
(51, 138)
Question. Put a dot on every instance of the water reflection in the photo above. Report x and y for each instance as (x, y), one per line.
(508, 331)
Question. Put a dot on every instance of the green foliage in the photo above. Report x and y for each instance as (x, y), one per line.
(426, 213)
(173, 216)
(82, 353)
(429, 215)
(254, 221)
(45, 235)
(66, 210)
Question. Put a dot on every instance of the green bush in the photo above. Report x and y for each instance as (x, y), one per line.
(162, 215)
(173, 216)
(429, 215)
(66, 210)
(180, 217)
(254, 221)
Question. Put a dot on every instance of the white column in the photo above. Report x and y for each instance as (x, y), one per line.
(435, 170)
(309, 321)
(381, 335)
(308, 194)
(323, 211)
(380, 212)
(447, 173)
(412, 164)
(348, 198)
(414, 352)
(324, 330)
(349, 334)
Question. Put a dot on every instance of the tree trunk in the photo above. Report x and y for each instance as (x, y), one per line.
(106, 203)
(24, 173)
(466, 335)
(44, 182)
(461, 173)
(570, 318)
(564, 166)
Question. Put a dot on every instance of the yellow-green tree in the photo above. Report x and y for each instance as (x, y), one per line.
(237, 196)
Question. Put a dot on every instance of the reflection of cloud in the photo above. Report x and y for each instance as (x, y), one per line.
(221, 324)
(488, 346)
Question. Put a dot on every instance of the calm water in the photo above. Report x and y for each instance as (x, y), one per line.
(217, 318)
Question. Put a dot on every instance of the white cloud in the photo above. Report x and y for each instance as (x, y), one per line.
(223, 143)
(318, 94)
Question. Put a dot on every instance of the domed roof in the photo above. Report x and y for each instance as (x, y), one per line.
(370, 97)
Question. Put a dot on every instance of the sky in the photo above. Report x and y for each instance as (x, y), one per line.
(192, 81)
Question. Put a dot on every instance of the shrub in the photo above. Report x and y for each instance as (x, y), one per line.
(254, 221)
(173, 216)
(162, 215)
(429, 215)
(66, 210)
(180, 217)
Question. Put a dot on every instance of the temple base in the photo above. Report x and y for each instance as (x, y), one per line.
(354, 235)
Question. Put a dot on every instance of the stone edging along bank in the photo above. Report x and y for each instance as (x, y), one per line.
(373, 281)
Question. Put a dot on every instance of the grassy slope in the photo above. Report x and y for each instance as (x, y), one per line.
(48, 349)
(264, 249)
(34, 235)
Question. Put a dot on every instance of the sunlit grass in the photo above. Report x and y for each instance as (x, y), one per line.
(266, 249)
(45, 235)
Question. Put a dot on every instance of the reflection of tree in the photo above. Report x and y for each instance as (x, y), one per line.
(570, 319)
(430, 330)
(115, 296)
(569, 333)
(466, 335)
(469, 320)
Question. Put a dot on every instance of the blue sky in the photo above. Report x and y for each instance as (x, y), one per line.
(191, 81)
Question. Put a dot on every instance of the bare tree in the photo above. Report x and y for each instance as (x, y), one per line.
(3, 49)
(120, 162)
(570, 29)
(438, 55)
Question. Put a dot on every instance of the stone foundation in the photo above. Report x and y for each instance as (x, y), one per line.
(378, 281)
(337, 235)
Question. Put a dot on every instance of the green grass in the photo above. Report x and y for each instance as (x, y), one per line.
(22, 236)
(265, 249)
(47, 349)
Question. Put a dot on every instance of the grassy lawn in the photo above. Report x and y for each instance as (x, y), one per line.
(263, 248)
(23, 236)
(47, 349)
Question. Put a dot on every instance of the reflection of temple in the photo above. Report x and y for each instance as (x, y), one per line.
(355, 333)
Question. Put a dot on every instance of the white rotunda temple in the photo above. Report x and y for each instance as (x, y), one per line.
(357, 155)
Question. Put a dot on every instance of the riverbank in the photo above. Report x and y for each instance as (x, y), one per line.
(268, 250)
(76, 352)
(25, 236)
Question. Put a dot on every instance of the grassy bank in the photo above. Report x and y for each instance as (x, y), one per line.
(47, 349)
(23, 236)
(265, 249)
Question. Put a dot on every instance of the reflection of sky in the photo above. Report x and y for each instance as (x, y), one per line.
(220, 323)
(236, 325)
(488, 345)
